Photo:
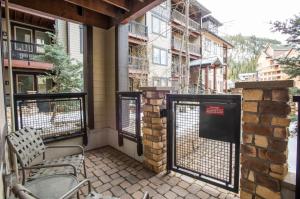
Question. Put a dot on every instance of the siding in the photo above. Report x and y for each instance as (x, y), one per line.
(74, 41)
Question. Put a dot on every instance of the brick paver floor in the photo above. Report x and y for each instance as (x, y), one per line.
(114, 173)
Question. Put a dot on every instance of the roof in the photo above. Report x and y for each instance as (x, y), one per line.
(279, 47)
(213, 19)
(216, 60)
(204, 11)
(215, 35)
(103, 14)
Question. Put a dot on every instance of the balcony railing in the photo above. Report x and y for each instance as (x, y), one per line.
(175, 69)
(176, 15)
(193, 48)
(139, 63)
(23, 50)
(138, 29)
(55, 116)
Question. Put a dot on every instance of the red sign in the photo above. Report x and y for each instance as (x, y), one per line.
(215, 110)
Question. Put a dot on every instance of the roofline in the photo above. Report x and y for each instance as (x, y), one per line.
(214, 19)
(202, 7)
(228, 43)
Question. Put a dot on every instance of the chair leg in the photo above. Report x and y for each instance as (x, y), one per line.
(78, 196)
(85, 175)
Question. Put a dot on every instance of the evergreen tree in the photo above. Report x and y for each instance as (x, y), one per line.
(290, 27)
(244, 55)
(66, 73)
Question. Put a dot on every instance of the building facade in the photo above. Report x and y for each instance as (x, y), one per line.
(157, 47)
(210, 72)
(269, 69)
(29, 32)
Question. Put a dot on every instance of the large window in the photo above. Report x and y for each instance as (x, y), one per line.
(207, 45)
(23, 35)
(159, 26)
(25, 83)
(41, 38)
(160, 56)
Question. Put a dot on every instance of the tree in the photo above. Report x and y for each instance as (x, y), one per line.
(66, 73)
(291, 28)
(243, 57)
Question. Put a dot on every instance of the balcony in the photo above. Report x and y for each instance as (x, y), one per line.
(137, 64)
(180, 19)
(194, 49)
(137, 31)
(23, 50)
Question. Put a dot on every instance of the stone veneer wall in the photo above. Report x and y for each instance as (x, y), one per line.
(264, 138)
(154, 128)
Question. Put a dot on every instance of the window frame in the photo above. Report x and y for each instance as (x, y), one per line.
(160, 33)
(160, 49)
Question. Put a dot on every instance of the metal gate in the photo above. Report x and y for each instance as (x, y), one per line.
(204, 137)
(129, 118)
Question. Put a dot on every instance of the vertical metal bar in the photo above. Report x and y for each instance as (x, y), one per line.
(20, 114)
(16, 114)
(297, 194)
(237, 146)
(85, 138)
(169, 133)
(138, 125)
(120, 137)
(230, 164)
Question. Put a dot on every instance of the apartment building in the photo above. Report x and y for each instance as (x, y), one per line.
(210, 72)
(267, 66)
(149, 38)
(29, 34)
(157, 48)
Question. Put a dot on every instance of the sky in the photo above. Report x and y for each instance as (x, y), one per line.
(251, 17)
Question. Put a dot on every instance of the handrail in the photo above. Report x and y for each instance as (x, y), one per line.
(181, 17)
(137, 28)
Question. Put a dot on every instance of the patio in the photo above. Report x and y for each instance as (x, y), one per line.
(116, 174)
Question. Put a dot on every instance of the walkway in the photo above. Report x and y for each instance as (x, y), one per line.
(114, 173)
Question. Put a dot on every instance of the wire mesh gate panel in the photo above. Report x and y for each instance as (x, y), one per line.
(57, 116)
(129, 118)
(204, 137)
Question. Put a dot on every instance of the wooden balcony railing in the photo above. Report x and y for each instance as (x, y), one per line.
(23, 50)
(139, 63)
(138, 29)
(176, 15)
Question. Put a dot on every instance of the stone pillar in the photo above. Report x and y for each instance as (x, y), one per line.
(264, 138)
(154, 128)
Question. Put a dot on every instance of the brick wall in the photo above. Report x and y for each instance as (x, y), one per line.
(264, 138)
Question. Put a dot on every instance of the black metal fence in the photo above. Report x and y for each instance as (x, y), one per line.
(23, 50)
(58, 116)
(203, 137)
(297, 99)
(129, 118)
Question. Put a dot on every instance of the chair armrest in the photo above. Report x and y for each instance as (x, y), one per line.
(67, 146)
(21, 192)
(52, 165)
(74, 189)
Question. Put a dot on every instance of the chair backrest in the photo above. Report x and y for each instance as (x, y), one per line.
(27, 144)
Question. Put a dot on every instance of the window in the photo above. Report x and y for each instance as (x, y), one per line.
(215, 48)
(41, 38)
(23, 35)
(81, 38)
(159, 56)
(207, 45)
(159, 26)
(25, 83)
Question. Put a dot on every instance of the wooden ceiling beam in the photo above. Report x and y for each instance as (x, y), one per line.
(139, 8)
(66, 11)
(98, 6)
(123, 4)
